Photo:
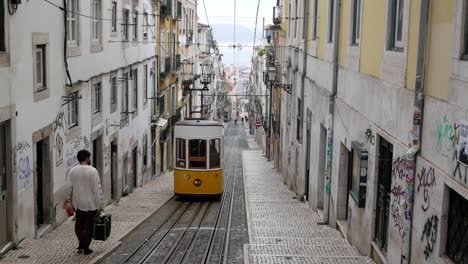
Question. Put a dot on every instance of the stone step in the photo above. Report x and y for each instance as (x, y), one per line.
(311, 233)
(300, 241)
(253, 259)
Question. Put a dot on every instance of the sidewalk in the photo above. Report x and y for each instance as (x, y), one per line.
(283, 229)
(59, 246)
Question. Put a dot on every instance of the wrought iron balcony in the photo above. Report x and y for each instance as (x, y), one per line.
(177, 62)
(166, 9)
(179, 10)
(166, 69)
(277, 15)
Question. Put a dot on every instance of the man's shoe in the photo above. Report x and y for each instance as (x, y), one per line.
(80, 249)
(88, 251)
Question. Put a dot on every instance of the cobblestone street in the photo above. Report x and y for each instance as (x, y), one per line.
(59, 246)
(281, 228)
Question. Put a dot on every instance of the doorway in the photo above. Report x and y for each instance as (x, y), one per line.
(125, 175)
(43, 183)
(307, 161)
(114, 165)
(321, 167)
(134, 168)
(161, 157)
(384, 182)
(342, 198)
(4, 187)
(97, 157)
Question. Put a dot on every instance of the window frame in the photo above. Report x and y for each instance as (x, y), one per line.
(114, 17)
(135, 88)
(126, 24)
(3, 29)
(125, 92)
(181, 162)
(197, 158)
(145, 151)
(464, 32)
(96, 102)
(356, 17)
(396, 26)
(40, 86)
(145, 83)
(299, 119)
(331, 21)
(73, 23)
(96, 23)
(315, 20)
(113, 90)
(145, 25)
(135, 25)
(218, 141)
(73, 104)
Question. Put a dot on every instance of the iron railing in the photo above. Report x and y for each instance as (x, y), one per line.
(177, 62)
(457, 240)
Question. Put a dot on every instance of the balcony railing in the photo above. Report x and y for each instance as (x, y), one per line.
(179, 10)
(277, 15)
(166, 10)
(166, 67)
(189, 38)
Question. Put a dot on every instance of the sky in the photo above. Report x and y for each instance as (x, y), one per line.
(221, 12)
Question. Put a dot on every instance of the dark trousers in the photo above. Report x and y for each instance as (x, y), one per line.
(84, 224)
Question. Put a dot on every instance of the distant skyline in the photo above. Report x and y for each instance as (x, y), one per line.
(221, 17)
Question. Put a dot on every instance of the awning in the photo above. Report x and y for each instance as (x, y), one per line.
(161, 122)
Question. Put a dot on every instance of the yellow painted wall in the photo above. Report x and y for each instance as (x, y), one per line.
(322, 27)
(372, 38)
(344, 31)
(413, 39)
(439, 54)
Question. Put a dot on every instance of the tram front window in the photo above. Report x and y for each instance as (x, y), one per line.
(215, 156)
(197, 151)
(180, 146)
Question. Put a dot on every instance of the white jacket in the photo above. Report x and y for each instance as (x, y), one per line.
(85, 188)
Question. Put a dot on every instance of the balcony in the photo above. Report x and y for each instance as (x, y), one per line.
(166, 9)
(277, 15)
(189, 38)
(179, 10)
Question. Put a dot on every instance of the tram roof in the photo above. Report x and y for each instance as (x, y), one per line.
(196, 122)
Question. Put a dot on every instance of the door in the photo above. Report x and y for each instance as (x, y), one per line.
(43, 182)
(161, 147)
(307, 162)
(114, 165)
(383, 193)
(3, 187)
(134, 168)
(125, 175)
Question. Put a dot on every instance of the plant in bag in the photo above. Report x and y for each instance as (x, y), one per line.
(102, 226)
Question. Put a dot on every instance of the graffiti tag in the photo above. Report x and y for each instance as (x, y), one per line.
(25, 173)
(426, 180)
(21, 147)
(429, 235)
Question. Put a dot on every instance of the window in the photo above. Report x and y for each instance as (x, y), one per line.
(155, 30)
(114, 17)
(197, 151)
(113, 91)
(296, 18)
(457, 236)
(331, 20)
(135, 89)
(315, 20)
(40, 68)
(73, 110)
(135, 24)
(145, 25)
(180, 153)
(2, 27)
(355, 169)
(356, 22)
(161, 104)
(96, 22)
(215, 153)
(465, 35)
(289, 21)
(299, 120)
(72, 22)
(396, 24)
(145, 151)
(125, 93)
(126, 23)
(96, 98)
(145, 84)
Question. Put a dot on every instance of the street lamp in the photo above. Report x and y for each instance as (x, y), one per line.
(205, 79)
(272, 73)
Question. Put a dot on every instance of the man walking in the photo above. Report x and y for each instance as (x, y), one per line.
(86, 197)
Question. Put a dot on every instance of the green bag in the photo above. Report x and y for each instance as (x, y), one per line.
(102, 226)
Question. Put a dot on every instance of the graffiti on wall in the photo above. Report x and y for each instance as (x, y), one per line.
(447, 137)
(429, 235)
(59, 126)
(106, 156)
(426, 181)
(22, 165)
(76, 145)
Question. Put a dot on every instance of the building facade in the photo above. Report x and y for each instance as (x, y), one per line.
(374, 130)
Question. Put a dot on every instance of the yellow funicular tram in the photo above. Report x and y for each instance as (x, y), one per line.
(198, 158)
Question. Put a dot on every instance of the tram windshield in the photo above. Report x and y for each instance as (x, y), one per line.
(215, 154)
(180, 146)
(197, 154)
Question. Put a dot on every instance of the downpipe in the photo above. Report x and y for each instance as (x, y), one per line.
(416, 135)
(331, 112)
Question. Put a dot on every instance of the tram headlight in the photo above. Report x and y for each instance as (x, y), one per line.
(197, 182)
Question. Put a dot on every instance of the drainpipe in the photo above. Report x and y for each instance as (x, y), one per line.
(416, 134)
(304, 70)
(331, 110)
